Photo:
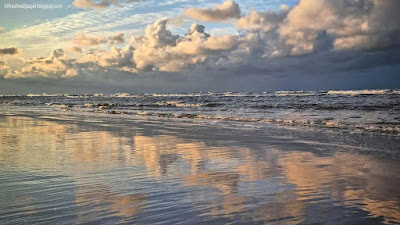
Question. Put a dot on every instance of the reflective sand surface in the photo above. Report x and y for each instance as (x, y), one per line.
(115, 170)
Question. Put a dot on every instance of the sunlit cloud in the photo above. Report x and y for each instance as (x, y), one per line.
(226, 11)
(74, 49)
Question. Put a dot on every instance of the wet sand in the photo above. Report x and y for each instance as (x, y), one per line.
(109, 170)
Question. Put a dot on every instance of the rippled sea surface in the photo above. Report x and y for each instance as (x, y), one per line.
(77, 164)
(362, 110)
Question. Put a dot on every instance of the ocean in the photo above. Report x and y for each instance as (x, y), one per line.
(358, 110)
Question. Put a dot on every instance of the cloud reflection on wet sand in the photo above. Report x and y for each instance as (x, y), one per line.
(121, 173)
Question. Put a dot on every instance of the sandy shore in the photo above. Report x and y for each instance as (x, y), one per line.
(114, 169)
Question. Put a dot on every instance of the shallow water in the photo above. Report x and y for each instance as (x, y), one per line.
(115, 170)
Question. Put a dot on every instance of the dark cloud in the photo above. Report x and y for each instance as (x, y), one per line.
(9, 51)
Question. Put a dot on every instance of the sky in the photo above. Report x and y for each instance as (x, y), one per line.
(139, 46)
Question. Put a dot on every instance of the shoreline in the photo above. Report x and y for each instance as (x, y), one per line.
(229, 122)
(366, 142)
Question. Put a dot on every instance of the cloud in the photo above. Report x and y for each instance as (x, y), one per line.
(352, 24)
(117, 38)
(314, 26)
(160, 50)
(263, 21)
(74, 49)
(93, 4)
(3, 65)
(4, 68)
(84, 40)
(226, 11)
(98, 4)
(9, 51)
(54, 66)
(116, 59)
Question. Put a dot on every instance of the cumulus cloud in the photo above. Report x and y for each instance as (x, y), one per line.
(160, 50)
(226, 11)
(9, 51)
(351, 24)
(116, 59)
(54, 66)
(314, 26)
(263, 21)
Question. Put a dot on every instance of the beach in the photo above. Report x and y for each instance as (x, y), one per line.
(76, 168)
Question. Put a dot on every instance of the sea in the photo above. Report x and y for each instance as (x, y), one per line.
(356, 110)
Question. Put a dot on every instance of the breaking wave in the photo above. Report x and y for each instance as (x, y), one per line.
(365, 110)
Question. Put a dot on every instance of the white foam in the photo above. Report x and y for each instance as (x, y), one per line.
(361, 92)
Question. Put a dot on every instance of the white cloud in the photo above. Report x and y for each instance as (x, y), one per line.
(160, 50)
